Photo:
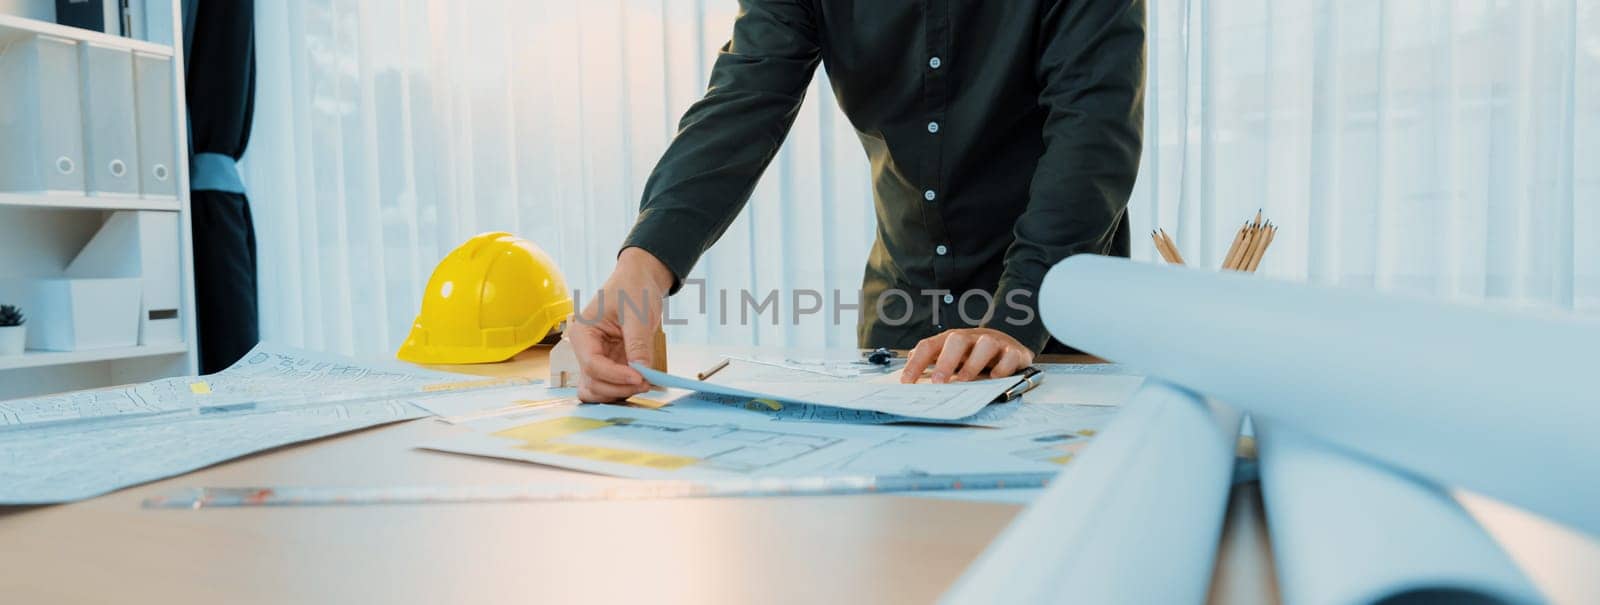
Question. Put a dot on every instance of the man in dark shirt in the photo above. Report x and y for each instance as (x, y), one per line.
(1004, 136)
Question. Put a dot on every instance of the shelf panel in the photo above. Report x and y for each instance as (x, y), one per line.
(87, 202)
(13, 26)
(39, 359)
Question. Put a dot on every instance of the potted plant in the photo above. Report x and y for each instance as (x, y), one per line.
(12, 330)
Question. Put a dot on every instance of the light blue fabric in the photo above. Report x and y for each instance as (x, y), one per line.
(214, 172)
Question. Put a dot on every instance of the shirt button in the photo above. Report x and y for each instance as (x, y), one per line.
(929, 195)
(941, 250)
(949, 298)
(934, 63)
(933, 127)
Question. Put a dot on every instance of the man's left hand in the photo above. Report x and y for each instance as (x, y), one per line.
(961, 355)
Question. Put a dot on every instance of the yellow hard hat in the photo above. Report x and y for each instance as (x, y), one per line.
(488, 300)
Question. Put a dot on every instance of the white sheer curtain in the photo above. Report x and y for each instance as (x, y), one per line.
(1429, 146)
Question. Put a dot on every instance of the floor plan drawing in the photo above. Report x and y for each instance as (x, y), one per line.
(663, 444)
(1011, 414)
(1056, 446)
(267, 371)
(38, 469)
(656, 444)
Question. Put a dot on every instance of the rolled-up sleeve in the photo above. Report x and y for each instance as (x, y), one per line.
(727, 139)
(1091, 74)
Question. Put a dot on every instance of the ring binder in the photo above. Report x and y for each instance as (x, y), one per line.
(41, 121)
(111, 139)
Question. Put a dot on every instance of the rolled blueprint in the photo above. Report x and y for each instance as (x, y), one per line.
(1347, 530)
(1145, 500)
(1501, 402)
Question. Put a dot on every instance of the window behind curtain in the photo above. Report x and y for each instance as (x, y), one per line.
(1434, 147)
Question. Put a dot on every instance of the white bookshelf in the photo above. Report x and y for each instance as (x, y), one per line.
(40, 359)
(87, 202)
(13, 26)
(40, 233)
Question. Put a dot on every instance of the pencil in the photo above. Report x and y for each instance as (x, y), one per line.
(1244, 248)
(1256, 248)
(1172, 246)
(712, 370)
(1271, 232)
(1238, 240)
(1161, 248)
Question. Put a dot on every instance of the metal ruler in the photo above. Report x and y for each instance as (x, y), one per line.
(840, 485)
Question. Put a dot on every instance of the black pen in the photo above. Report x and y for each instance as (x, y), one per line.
(1031, 377)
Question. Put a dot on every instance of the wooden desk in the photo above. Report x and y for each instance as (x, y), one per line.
(881, 549)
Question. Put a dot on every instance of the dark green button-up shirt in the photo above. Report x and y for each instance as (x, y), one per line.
(1004, 136)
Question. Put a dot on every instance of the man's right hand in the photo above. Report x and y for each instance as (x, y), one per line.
(618, 327)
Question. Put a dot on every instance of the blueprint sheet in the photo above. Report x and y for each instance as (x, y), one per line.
(266, 371)
(51, 468)
(47, 455)
(1055, 445)
(452, 407)
(652, 444)
(686, 443)
(923, 401)
(1017, 413)
(1102, 384)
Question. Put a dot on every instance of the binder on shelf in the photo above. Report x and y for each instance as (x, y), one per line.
(140, 244)
(158, 21)
(134, 19)
(158, 151)
(110, 136)
(95, 15)
(41, 120)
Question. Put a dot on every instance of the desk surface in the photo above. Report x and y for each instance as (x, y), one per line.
(881, 549)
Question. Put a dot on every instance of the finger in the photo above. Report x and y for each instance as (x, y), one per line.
(594, 361)
(983, 353)
(595, 391)
(955, 350)
(922, 356)
(639, 324)
(606, 370)
(1010, 361)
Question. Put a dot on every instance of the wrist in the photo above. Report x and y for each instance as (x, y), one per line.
(639, 259)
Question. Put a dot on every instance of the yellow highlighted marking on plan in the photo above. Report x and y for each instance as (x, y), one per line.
(554, 428)
(534, 402)
(770, 404)
(541, 437)
(200, 388)
(468, 384)
(666, 462)
(652, 404)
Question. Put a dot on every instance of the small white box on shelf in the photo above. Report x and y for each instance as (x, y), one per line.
(141, 244)
(81, 314)
(41, 117)
(157, 150)
(111, 139)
